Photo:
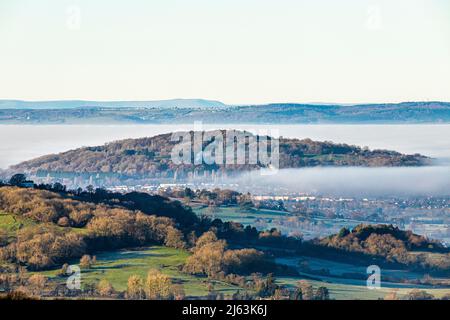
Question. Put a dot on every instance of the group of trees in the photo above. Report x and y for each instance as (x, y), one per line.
(391, 244)
(43, 246)
(63, 229)
(223, 197)
(144, 202)
(185, 219)
(210, 257)
(303, 291)
(157, 286)
(270, 205)
(296, 153)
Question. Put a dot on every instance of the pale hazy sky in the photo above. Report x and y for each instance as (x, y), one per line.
(236, 51)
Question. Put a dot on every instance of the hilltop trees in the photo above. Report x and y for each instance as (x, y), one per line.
(145, 203)
(17, 179)
(42, 206)
(387, 245)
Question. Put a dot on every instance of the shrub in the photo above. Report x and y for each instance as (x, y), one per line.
(105, 288)
(135, 288)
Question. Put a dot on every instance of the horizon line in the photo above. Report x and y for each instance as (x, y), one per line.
(220, 101)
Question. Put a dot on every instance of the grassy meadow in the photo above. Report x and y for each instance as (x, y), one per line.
(117, 266)
(340, 291)
(11, 223)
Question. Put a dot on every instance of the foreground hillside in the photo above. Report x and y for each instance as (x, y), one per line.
(170, 252)
(151, 157)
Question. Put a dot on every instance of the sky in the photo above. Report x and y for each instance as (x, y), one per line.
(235, 51)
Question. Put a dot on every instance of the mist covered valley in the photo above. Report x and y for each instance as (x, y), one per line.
(318, 201)
(350, 182)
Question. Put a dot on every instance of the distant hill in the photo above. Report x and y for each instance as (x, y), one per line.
(214, 112)
(73, 104)
(151, 157)
(405, 112)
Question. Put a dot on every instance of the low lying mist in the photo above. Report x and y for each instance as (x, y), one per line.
(351, 181)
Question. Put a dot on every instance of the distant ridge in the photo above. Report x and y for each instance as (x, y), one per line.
(74, 104)
(186, 111)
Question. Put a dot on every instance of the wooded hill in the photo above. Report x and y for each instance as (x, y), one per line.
(151, 157)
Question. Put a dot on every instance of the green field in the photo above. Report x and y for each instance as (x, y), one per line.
(118, 266)
(342, 287)
(264, 219)
(236, 214)
(339, 291)
(12, 223)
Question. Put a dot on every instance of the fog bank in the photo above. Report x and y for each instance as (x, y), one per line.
(352, 181)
